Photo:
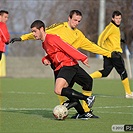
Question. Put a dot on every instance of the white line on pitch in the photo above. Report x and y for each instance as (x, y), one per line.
(107, 107)
(106, 112)
(49, 109)
(23, 109)
(13, 92)
(42, 93)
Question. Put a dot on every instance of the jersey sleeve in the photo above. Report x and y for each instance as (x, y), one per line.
(5, 36)
(46, 57)
(104, 35)
(69, 50)
(87, 45)
(50, 30)
(28, 36)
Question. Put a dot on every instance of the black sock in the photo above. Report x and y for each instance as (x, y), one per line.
(70, 93)
(74, 103)
(79, 107)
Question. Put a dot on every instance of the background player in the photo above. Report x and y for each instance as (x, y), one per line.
(4, 39)
(110, 39)
(4, 34)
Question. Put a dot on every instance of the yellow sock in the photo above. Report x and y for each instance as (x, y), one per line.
(84, 104)
(96, 74)
(126, 86)
(61, 99)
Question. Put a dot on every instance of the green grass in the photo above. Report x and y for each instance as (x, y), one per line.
(27, 104)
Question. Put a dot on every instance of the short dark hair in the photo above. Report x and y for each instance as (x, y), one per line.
(38, 24)
(116, 13)
(77, 12)
(3, 11)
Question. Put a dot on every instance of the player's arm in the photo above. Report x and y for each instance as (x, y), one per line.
(53, 29)
(5, 36)
(70, 50)
(87, 45)
(46, 60)
(24, 37)
(104, 35)
(28, 36)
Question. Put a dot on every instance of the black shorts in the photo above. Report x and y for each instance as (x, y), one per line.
(76, 74)
(117, 63)
(1, 55)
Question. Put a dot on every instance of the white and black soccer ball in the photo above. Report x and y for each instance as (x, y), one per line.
(60, 112)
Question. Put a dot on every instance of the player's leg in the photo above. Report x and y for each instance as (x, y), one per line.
(62, 99)
(64, 78)
(120, 68)
(107, 68)
(0, 63)
(72, 102)
(80, 111)
(83, 79)
(70, 93)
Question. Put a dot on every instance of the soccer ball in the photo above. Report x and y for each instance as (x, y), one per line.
(60, 112)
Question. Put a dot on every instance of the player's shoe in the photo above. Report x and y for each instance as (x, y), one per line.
(69, 104)
(85, 116)
(75, 116)
(90, 101)
(129, 95)
(91, 115)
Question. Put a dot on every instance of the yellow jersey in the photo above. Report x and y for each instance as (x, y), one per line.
(73, 37)
(110, 38)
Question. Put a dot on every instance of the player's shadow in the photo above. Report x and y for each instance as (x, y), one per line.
(42, 113)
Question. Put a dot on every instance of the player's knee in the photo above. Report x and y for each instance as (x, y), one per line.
(57, 91)
(123, 75)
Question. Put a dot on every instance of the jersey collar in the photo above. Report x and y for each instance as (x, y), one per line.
(115, 23)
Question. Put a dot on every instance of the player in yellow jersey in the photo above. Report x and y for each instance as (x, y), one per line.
(110, 39)
(70, 34)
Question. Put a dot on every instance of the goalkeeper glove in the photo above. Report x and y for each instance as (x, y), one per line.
(15, 39)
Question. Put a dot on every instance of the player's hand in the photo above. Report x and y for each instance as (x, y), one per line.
(115, 54)
(123, 40)
(15, 39)
(46, 62)
(7, 43)
(85, 62)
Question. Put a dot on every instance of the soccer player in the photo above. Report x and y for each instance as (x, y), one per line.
(64, 58)
(69, 33)
(109, 39)
(4, 34)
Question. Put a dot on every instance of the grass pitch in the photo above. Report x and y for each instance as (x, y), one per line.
(26, 106)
